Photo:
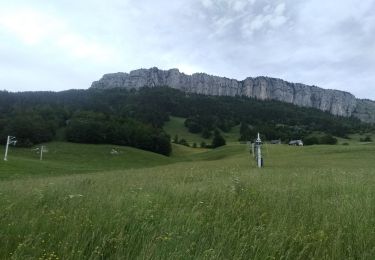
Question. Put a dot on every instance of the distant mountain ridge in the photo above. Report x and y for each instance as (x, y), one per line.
(264, 88)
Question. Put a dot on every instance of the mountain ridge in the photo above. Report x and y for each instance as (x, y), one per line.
(337, 102)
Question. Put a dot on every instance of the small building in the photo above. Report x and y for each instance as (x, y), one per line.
(296, 143)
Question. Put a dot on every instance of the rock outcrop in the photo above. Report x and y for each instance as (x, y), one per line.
(334, 101)
(365, 110)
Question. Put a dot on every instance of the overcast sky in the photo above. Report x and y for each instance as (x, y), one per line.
(64, 44)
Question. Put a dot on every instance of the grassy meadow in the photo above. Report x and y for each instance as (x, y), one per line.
(175, 126)
(81, 202)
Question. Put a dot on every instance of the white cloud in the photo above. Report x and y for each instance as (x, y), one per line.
(326, 43)
(207, 3)
(82, 48)
(28, 25)
(258, 22)
(277, 21)
(188, 68)
(264, 21)
(239, 5)
(280, 9)
(267, 8)
(50, 33)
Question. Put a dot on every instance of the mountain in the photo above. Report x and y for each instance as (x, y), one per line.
(264, 88)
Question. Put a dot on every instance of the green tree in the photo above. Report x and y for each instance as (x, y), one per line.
(218, 140)
(328, 139)
(311, 140)
(206, 133)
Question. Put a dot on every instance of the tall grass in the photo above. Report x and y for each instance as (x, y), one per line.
(308, 203)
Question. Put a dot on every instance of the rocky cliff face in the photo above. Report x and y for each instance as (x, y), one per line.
(264, 88)
(365, 110)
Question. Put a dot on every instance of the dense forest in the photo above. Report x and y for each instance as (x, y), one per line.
(136, 117)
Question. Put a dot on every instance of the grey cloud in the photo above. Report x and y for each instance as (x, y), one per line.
(325, 43)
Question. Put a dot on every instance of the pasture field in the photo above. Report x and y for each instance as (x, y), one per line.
(175, 126)
(82, 202)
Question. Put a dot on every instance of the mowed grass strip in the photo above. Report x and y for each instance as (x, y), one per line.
(308, 202)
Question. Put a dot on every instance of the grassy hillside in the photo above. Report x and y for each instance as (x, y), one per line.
(70, 158)
(308, 202)
(175, 126)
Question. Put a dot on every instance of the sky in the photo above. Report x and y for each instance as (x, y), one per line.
(65, 44)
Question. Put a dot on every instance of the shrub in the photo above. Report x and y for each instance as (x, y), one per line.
(325, 139)
(328, 139)
(183, 142)
(366, 139)
(311, 140)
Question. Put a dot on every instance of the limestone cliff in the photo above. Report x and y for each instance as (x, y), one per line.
(334, 101)
(365, 110)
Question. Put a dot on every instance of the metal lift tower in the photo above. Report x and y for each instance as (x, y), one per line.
(258, 152)
(10, 140)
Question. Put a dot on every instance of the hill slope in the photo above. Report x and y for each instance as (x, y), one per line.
(69, 158)
(175, 126)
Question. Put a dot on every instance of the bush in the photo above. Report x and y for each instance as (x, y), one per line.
(311, 140)
(325, 139)
(183, 142)
(366, 139)
(328, 139)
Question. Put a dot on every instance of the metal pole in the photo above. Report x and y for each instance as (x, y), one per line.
(6, 149)
(41, 152)
(259, 157)
(259, 151)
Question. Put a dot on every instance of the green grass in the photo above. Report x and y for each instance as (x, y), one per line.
(175, 126)
(355, 138)
(69, 158)
(313, 202)
(233, 135)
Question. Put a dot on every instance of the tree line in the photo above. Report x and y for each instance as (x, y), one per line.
(136, 117)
